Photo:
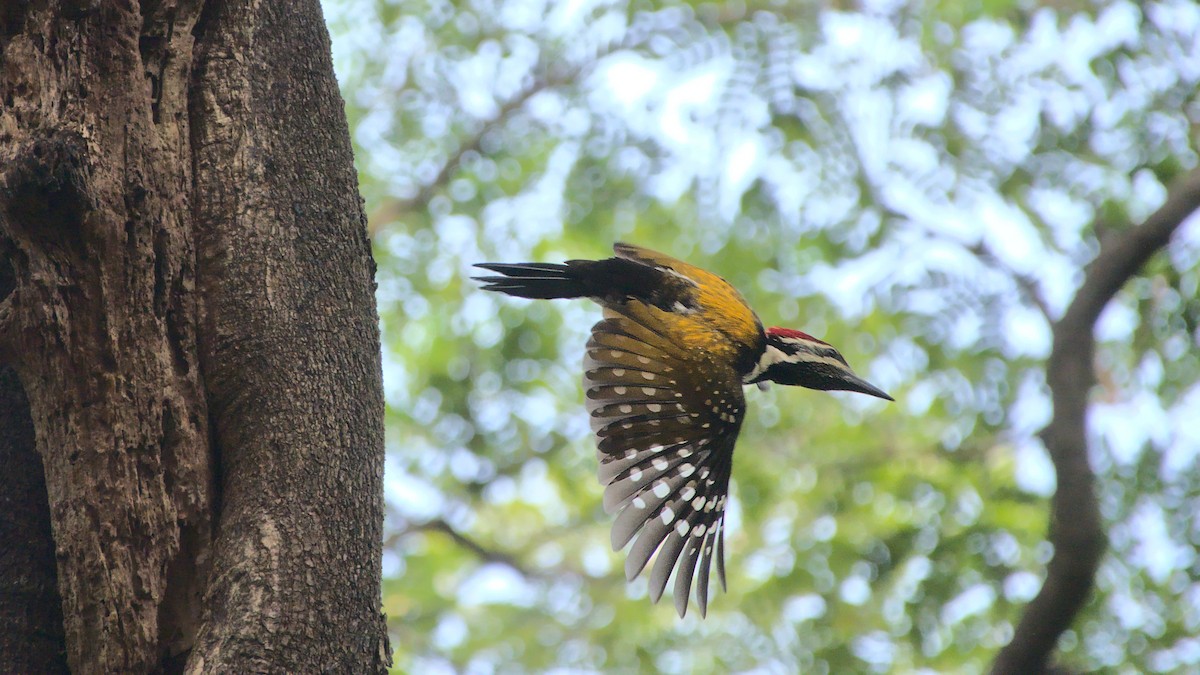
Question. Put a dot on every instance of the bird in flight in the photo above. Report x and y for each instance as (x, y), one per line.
(663, 376)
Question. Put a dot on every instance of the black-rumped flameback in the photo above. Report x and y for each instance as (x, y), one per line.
(663, 376)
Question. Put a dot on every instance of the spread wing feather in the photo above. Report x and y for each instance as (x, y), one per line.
(666, 423)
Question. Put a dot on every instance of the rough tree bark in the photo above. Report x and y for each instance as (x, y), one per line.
(186, 300)
(31, 627)
(1075, 528)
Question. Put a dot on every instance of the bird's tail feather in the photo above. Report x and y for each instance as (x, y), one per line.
(533, 280)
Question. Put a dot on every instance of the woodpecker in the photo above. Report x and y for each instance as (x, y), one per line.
(663, 375)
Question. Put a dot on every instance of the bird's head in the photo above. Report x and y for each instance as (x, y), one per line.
(797, 358)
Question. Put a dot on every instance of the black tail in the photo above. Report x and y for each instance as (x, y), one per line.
(608, 281)
(533, 280)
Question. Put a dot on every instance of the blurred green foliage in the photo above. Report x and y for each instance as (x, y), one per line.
(919, 184)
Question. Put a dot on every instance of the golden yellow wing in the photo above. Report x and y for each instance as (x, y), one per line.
(721, 307)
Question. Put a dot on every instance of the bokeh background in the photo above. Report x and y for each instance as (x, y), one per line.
(918, 183)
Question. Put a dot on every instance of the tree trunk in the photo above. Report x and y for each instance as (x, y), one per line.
(1076, 530)
(186, 298)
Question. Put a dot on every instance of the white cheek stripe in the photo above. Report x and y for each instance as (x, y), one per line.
(772, 356)
(769, 358)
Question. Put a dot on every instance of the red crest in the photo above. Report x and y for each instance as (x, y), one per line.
(790, 333)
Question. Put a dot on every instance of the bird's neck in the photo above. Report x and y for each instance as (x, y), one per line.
(769, 357)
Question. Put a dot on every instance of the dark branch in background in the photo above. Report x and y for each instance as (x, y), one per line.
(557, 77)
(392, 209)
(1075, 528)
(1026, 284)
(554, 76)
(484, 553)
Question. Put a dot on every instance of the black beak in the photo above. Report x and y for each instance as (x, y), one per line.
(856, 383)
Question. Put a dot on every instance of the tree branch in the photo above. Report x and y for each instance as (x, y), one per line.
(479, 550)
(471, 144)
(557, 77)
(1075, 528)
(1026, 284)
(484, 553)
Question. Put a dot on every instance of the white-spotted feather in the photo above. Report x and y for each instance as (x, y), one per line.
(665, 425)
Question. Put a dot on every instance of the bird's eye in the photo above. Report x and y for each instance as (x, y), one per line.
(835, 354)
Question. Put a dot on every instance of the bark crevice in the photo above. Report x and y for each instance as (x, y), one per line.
(31, 622)
(92, 219)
